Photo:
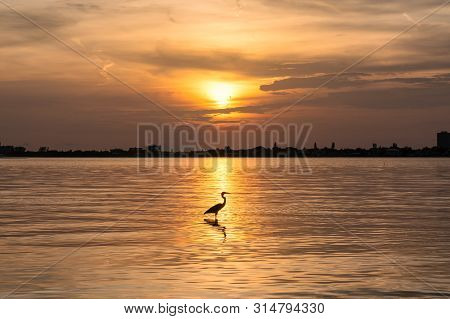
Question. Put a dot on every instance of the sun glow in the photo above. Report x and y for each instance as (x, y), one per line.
(221, 93)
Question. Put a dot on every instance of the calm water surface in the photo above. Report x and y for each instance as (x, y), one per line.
(96, 228)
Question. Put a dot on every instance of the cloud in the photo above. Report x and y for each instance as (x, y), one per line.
(352, 6)
(314, 81)
(424, 49)
(405, 98)
(170, 59)
(16, 31)
(84, 7)
(363, 91)
(13, 22)
(351, 80)
(254, 110)
(167, 60)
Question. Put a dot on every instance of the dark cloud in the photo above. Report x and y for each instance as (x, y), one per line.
(343, 80)
(388, 98)
(352, 80)
(83, 6)
(260, 109)
(167, 60)
(360, 92)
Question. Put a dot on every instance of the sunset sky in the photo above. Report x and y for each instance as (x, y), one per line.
(223, 62)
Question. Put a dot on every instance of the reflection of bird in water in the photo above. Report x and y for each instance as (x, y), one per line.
(215, 223)
(216, 208)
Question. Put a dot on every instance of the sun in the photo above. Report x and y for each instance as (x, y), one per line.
(220, 93)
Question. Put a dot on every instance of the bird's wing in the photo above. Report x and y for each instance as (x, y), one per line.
(213, 209)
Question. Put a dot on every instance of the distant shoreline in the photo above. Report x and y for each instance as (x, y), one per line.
(248, 156)
(155, 151)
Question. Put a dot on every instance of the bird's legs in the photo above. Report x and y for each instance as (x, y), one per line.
(215, 216)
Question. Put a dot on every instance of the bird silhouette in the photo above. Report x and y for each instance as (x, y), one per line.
(216, 208)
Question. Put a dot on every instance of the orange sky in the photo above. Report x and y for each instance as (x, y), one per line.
(222, 61)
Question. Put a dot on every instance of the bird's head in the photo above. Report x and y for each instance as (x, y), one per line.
(223, 193)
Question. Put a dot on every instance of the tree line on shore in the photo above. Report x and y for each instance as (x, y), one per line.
(260, 151)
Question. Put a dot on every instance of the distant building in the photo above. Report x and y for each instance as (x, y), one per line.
(19, 149)
(443, 139)
(393, 151)
(117, 151)
(154, 148)
(10, 149)
(275, 147)
(6, 149)
(136, 151)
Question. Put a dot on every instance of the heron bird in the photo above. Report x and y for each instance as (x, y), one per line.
(216, 208)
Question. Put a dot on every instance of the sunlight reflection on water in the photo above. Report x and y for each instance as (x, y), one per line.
(266, 243)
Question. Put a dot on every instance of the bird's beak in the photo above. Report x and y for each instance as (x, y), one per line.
(226, 193)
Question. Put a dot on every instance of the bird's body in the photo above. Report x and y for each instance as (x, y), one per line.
(216, 208)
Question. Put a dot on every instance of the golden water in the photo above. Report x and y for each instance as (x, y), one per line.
(98, 228)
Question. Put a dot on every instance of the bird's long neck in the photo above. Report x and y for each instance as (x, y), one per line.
(224, 199)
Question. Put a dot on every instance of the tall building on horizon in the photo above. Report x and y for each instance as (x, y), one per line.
(443, 139)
